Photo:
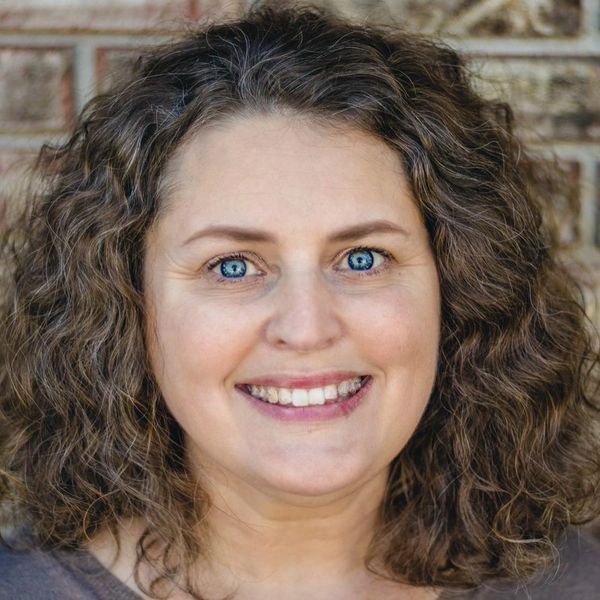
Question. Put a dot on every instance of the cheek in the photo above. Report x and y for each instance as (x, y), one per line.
(404, 340)
(399, 327)
(199, 341)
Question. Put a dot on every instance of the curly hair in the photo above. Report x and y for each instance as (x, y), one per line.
(506, 456)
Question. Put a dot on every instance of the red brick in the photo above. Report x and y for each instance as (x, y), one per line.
(12, 161)
(37, 89)
(554, 98)
(512, 18)
(109, 15)
(226, 8)
(112, 64)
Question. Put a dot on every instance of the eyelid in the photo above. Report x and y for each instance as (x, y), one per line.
(244, 255)
(387, 255)
(251, 256)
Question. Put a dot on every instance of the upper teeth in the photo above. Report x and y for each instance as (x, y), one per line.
(298, 397)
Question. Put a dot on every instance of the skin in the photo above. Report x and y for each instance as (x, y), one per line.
(290, 498)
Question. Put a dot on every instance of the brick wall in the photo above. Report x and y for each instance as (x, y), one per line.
(541, 55)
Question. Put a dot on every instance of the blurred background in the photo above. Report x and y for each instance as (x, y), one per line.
(542, 56)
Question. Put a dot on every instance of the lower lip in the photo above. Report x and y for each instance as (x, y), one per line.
(323, 412)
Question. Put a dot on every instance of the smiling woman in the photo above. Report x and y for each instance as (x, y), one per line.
(292, 316)
(286, 322)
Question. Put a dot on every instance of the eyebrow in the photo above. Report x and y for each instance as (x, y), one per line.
(242, 234)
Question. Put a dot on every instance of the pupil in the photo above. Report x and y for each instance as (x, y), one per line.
(238, 268)
(364, 260)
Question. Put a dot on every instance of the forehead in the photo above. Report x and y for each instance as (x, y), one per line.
(285, 171)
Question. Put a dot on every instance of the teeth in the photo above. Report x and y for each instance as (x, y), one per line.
(285, 396)
(316, 396)
(331, 392)
(301, 397)
(272, 395)
(344, 388)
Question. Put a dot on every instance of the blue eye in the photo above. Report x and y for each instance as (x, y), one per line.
(235, 268)
(232, 267)
(361, 260)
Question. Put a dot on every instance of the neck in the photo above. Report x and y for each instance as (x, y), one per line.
(273, 545)
(262, 536)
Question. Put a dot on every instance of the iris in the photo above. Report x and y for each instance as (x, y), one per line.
(234, 267)
(364, 261)
(237, 270)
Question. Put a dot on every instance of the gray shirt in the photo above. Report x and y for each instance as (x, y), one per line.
(77, 575)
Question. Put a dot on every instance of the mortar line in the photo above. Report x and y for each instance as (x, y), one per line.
(84, 77)
(591, 18)
(587, 216)
(582, 47)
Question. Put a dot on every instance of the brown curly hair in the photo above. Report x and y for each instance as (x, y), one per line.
(506, 455)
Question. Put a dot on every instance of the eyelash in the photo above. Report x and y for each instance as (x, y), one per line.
(241, 256)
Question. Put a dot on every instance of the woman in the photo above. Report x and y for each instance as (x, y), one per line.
(286, 321)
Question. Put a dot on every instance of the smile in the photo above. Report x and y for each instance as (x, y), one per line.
(319, 396)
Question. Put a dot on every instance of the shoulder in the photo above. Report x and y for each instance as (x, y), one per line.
(57, 575)
(575, 576)
(26, 574)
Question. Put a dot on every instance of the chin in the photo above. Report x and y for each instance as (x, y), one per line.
(311, 482)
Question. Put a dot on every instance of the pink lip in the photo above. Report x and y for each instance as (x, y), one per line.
(309, 413)
(305, 382)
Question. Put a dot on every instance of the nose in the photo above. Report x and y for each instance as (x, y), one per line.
(304, 317)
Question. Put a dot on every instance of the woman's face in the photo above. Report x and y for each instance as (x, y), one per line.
(295, 302)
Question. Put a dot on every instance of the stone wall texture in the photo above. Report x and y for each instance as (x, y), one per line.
(542, 56)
